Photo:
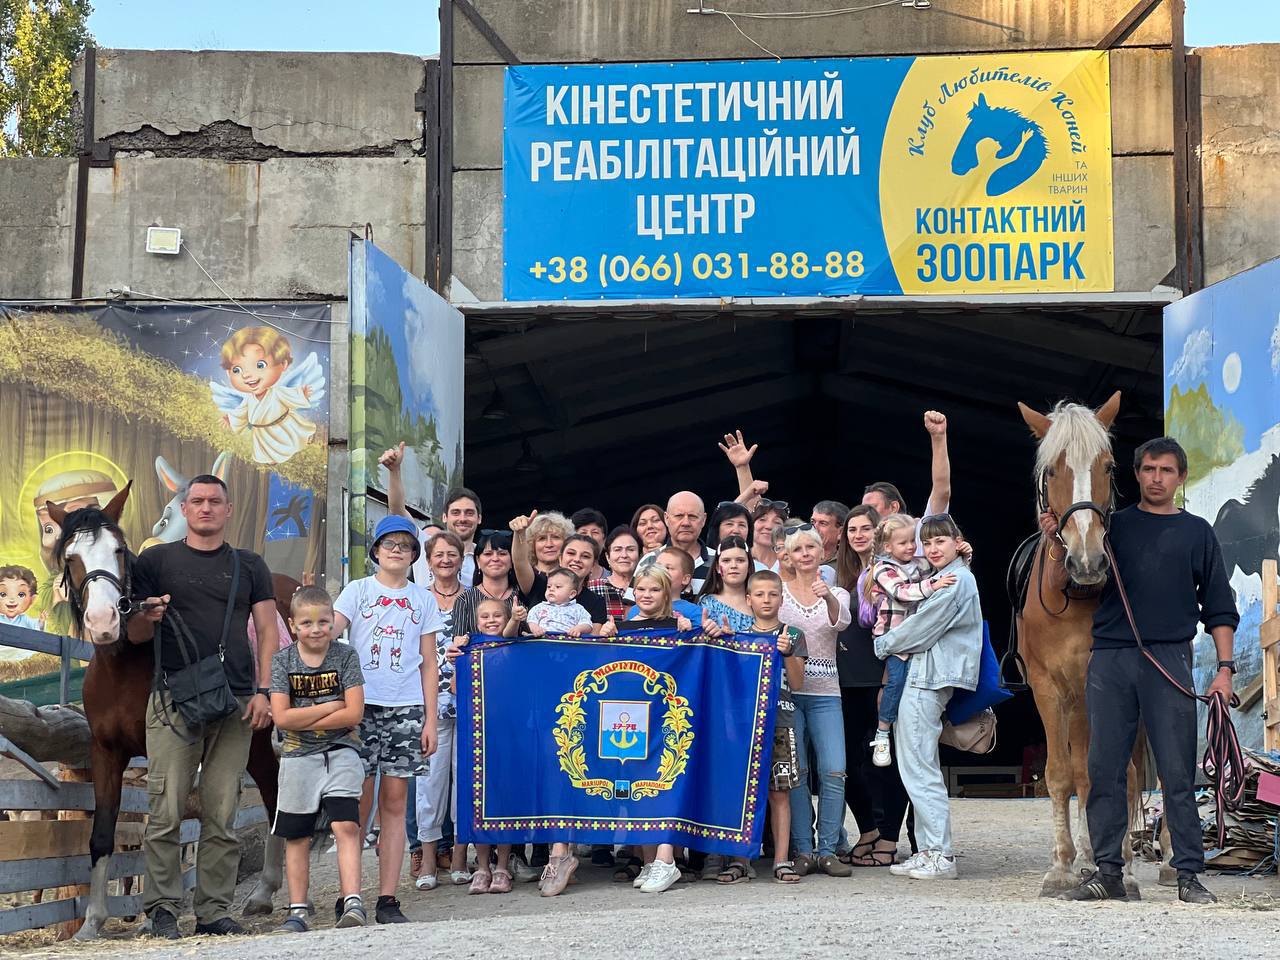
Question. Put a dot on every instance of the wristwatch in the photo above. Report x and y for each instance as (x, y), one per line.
(1229, 664)
(265, 691)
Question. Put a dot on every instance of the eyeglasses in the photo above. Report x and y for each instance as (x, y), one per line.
(796, 527)
(395, 546)
(763, 506)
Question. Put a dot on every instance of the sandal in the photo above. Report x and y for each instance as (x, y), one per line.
(735, 872)
(687, 874)
(628, 870)
(459, 877)
(873, 857)
(785, 872)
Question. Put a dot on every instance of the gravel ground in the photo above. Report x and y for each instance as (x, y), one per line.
(992, 910)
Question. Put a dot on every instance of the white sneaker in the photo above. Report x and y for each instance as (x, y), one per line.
(880, 754)
(642, 876)
(909, 864)
(661, 876)
(935, 867)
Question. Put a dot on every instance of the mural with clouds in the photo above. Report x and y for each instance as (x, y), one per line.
(1222, 402)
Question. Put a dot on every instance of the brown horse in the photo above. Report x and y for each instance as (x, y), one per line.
(117, 687)
(1073, 472)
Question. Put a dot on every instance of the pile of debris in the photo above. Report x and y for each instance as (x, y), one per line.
(1252, 842)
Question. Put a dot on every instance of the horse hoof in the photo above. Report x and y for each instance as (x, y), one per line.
(257, 908)
(87, 931)
(1168, 877)
(1058, 881)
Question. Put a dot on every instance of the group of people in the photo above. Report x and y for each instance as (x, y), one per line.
(878, 623)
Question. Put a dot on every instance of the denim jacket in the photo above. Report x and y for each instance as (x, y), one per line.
(943, 636)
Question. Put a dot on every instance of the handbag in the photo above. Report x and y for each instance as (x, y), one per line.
(965, 704)
(975, 735)
(200, 692)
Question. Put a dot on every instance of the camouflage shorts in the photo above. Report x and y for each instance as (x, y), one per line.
(784, 766)
(391, 741)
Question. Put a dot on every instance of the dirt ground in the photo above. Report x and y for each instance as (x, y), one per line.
(993, 910)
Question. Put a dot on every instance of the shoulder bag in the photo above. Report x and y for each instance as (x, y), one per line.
(975, 735)
(199, 692)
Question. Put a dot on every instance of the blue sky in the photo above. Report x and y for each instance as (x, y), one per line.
(402, 26)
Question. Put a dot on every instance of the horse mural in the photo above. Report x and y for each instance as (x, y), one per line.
(117, 687)
(1250, 531)
(1073, 472)
(1019, 138)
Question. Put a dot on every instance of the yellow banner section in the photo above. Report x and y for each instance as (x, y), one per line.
(996, 174)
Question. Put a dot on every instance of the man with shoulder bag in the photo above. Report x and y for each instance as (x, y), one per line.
(207, 698)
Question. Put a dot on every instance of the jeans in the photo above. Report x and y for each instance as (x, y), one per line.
(895, 669)
(820, 733)
(1122, 687)
(411, 816)
(917, 730)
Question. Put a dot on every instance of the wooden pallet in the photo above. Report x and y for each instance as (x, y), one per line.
(1269, 640)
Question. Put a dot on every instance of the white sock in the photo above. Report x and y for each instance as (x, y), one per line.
(882, 734)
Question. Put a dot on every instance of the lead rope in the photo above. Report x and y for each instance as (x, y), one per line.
(1223, 759)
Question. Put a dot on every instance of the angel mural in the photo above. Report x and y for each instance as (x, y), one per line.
(267, 391)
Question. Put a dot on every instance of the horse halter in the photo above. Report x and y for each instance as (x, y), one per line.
(1103, 512)
(76, 594)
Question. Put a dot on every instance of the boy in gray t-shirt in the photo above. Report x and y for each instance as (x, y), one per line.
(317, 702)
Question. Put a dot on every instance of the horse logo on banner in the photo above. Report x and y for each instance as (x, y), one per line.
(623, 731)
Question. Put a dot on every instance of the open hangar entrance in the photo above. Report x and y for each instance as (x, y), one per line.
(612, 405)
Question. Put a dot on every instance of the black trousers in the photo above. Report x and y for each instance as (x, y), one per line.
(875, 795)
(1123, 687)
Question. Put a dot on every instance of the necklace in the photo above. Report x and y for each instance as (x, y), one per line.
(445, 596)
(501, 596)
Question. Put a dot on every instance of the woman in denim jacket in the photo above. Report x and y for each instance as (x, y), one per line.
(944, 640)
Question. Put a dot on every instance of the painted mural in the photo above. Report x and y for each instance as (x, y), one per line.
(406, 374)
(1222, 402)
(157, 394)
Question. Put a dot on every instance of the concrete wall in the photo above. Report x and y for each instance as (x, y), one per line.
(542, 31)
(37, 198)
(1240, 157)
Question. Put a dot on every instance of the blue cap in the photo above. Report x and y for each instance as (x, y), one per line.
(395, 524)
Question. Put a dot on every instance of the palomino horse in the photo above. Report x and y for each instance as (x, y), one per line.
(117, 687)
(1073, 472)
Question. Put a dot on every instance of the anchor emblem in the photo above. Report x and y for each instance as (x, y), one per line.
(624, 730)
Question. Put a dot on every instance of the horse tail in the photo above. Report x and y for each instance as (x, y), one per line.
(1142, 782)
(1020, 168)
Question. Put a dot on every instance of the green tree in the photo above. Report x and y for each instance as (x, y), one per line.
(39, 41)
(1211, 435)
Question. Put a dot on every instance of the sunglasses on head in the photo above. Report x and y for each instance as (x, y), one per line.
(497, 536)
(794, 527)
(763, 506)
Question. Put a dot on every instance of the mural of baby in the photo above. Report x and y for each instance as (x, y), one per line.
(17, 593)
(267, 391)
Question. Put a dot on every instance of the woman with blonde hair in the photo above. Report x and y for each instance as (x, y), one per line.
(547, 532)
(821, 611)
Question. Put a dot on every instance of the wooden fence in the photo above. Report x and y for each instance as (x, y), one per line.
(43, 855)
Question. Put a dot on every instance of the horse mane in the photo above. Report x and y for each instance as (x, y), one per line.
(85, 520)
(1270, 475)
(1075, 431)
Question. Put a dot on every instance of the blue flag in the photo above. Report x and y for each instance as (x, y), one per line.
(653, 737)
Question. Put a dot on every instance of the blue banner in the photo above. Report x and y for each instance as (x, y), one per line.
(656, 737)
(980, 173)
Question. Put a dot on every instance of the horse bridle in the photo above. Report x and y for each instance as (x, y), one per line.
(76, 593)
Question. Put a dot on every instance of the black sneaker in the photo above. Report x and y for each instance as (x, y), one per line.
(353, 914)
(1191, 890)
(222, 927)
(541, 856)
(1099, 886)
(388, 911)
(337, 909)
(164, 925)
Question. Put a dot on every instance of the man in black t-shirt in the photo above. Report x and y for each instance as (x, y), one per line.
(193, 576)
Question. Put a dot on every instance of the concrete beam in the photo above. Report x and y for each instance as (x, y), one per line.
(1142, 198)
(1141, 101)
(303, 103)
(37, 209)
(567, 31)
(477, 231)
(1240, 157)
(477, 117)
(274, 230)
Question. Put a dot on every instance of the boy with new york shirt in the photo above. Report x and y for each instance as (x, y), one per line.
(393, 625)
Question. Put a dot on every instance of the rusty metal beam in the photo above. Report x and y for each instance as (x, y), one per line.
(1127, 24)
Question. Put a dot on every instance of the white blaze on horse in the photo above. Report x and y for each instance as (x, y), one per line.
(117, 688)
(1073, 474)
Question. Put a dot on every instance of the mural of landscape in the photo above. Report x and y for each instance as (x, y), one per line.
(1222, 402)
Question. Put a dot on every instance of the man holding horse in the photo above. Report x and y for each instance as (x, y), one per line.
(1168, 576)
(200, 594)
